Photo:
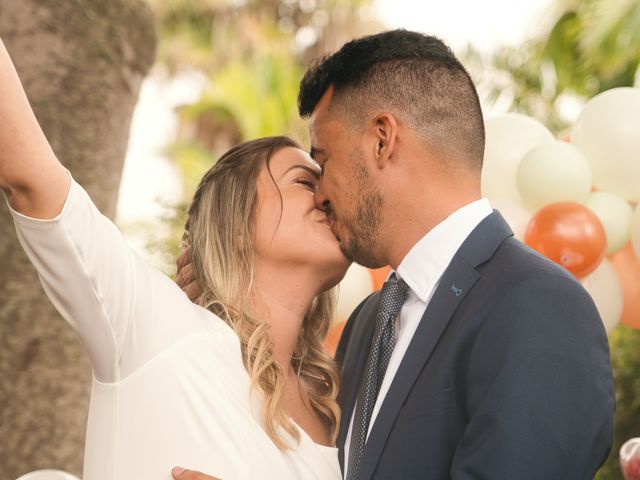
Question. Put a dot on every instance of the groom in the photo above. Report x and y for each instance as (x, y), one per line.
(479, 359)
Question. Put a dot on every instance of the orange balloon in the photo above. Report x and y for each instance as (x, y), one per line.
(569, 234)
(628, 269)
(333, 338)
(379, 276)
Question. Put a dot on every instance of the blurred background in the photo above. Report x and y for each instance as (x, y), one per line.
(139, 98)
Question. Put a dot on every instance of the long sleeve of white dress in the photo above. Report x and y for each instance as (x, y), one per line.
(169, 384)
(100, 285)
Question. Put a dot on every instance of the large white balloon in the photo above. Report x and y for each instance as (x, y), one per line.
(553, 172)
(635, 231)
(604, 287)
(508, 138)
(355, 286)
(515, 214)
(608, 132)
(615, 214)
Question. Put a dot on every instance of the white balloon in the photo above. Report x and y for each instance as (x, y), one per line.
(515, 214)
(355, 286)
(508, 138)
(614, 213)
(604, 287)
(553, 172)
(48, 475)
(608, 132)
(635, 231)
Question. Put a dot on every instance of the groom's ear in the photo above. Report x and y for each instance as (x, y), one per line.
(385, 131)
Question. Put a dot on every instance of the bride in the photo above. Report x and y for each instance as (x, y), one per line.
(238, 385)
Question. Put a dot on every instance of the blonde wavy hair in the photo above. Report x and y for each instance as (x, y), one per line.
(220, 232)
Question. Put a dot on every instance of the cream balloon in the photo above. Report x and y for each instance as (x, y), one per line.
(354, 288)
(604, 287)
(635, 231)
(515, 214)
(553, 172)
(608, 133)
(508, 138)
(615, 214)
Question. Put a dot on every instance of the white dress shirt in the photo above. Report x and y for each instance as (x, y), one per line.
(422, 269)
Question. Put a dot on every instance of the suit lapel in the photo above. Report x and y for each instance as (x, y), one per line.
(457, 280)
(353, 366)
(443, 304)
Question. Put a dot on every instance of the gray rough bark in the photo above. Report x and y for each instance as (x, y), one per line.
(81, 63)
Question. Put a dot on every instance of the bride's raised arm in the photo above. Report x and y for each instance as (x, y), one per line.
(32, 178)
(123, 310)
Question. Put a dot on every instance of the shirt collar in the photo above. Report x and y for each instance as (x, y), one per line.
(427, 260)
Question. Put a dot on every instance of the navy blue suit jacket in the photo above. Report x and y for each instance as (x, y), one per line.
(508, 375)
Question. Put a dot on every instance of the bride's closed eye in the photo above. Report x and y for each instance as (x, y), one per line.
(311, 184)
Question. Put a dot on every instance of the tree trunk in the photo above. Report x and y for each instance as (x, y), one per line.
(81, 63)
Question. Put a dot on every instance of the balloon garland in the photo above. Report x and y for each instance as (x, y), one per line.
(581, 194)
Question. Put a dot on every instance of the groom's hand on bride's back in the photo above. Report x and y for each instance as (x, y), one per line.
(179, 473)
(186, 280)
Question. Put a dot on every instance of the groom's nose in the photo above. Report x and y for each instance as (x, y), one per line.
(321, 200)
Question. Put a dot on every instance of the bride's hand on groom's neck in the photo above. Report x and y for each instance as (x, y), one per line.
(186, 280)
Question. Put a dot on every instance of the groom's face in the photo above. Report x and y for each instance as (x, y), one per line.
(346, 190)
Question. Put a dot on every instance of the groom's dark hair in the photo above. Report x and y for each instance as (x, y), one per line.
(412, 75)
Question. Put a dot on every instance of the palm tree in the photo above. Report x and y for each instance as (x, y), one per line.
(592, 46)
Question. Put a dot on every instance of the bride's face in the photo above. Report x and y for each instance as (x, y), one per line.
(289, 229)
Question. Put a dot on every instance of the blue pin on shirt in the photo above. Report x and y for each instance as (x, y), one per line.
(457, 291)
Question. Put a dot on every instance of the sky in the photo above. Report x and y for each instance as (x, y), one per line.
(484, 24)
(150, 180)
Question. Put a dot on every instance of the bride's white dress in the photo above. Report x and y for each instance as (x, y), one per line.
(169, 387)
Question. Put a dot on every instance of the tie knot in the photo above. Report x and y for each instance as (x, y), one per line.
(393, 295)
(394, 287)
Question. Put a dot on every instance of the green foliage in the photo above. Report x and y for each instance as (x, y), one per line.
(625, 358)
(594, 45)
(260, 95)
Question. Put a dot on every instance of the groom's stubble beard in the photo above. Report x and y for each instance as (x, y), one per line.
(362, 224)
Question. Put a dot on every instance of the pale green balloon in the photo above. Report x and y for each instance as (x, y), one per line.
(635, 232)
(508, 138)
(615, 214)
(553, 172)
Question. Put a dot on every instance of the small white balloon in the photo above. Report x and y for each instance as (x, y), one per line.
(635, 231)
(508, 138)
(48, 475)
(615, 214)
(608, 133)
(515, 214)
(354, 288)
(604, 287)
(553, 172)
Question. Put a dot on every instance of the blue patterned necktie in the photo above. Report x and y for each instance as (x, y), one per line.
(393, 294)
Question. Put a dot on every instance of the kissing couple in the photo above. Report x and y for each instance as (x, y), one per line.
(478, 359)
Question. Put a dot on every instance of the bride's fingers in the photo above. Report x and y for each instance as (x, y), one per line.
(180, 473)
(185, 275)
(184, 258)
(193, 291)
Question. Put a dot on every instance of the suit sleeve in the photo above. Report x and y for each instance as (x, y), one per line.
(539, 399)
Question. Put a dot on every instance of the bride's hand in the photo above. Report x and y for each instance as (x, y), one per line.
(184, 276)
(180, 473)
